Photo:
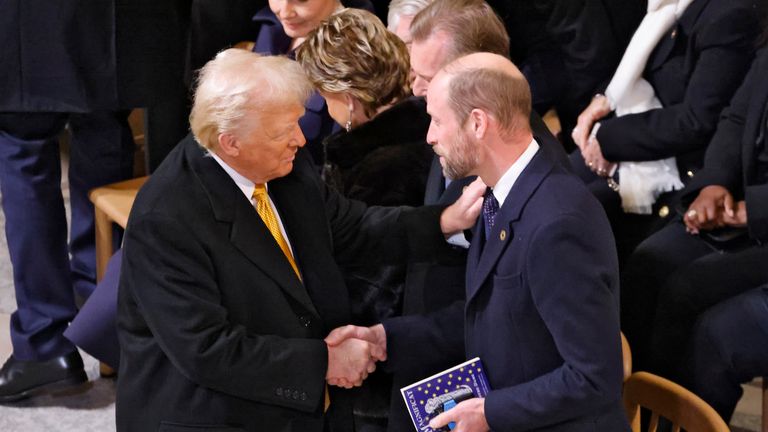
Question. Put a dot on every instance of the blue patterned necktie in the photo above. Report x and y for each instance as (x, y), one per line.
(490, 207)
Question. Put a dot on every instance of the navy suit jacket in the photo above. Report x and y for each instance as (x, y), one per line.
(541, 310)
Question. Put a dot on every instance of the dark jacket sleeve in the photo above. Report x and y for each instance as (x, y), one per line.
(723, 48)
(723, 159)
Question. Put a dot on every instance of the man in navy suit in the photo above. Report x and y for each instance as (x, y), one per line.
(542, 274)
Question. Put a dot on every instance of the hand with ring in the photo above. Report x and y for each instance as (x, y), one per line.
(707, 211)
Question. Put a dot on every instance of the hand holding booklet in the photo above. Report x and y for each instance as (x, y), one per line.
(432, 396)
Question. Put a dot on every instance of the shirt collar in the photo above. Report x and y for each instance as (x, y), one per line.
(245, 185)
(505, 183)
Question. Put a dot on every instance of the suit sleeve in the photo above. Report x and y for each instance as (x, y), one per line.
(425, 341)
(724, 52)
(170, 277)
(723, 163)
(573, 281)
(756, 198)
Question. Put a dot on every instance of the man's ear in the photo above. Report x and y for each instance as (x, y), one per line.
(229, 144)
(478, 123)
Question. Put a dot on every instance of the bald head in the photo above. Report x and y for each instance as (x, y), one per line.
(485, 60)
(491, 83)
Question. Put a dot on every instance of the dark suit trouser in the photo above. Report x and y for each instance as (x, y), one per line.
(36, 226)
(729, 348)
(670, 279)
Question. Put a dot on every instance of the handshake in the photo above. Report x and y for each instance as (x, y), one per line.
(353, 352)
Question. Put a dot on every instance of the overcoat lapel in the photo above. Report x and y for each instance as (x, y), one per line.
(484, 254)
(248, 232)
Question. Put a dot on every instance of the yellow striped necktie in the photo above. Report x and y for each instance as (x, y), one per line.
(268, 216)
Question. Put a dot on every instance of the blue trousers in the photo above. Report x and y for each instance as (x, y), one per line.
(48, 270)
(729, 347)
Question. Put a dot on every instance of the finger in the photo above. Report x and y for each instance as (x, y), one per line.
(371, 367)
(728, 204)
(339, 335)
(441, 420)
(475, 208)
(476, 189)
(378, 353)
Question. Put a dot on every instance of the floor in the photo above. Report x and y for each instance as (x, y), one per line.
(92, 407)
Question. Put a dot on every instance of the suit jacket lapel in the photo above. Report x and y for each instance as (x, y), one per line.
(435, 182)
(503, 231)
(248, 233)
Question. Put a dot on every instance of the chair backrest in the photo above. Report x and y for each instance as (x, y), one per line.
(664, 398)
(626, 354)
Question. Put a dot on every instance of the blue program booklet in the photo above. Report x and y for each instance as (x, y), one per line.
(431, 396)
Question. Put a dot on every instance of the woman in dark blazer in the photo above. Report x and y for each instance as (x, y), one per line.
(717, 249)
(693, 70)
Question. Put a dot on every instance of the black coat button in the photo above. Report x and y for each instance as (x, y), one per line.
(303, 396)
(279, 391)
(295, 395)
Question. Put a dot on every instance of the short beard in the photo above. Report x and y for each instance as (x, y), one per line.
(464, 158)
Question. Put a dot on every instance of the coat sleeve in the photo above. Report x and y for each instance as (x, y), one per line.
(723, 161)
(169, 278)
(724, 50)
(573, 281)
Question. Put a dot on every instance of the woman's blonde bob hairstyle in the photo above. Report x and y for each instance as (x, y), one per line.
(352, 52)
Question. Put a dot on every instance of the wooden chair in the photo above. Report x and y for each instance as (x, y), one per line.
(112, 203)
(626, 354)
(765, 404)
(666, 399)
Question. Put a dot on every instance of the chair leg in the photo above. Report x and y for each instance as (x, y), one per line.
(765, 404)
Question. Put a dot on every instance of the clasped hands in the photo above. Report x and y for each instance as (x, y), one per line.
(586, 140)
(353, 352)
(714, 207)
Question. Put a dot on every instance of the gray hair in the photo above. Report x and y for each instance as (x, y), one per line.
(236, 86)
(402, 8)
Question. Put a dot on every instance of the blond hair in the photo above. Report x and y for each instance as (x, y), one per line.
(471, 25)
(352, 52)
(236, 86)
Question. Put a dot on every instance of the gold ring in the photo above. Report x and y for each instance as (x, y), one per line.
(691, 214)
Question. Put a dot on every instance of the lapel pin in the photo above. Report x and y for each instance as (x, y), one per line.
(503, 235)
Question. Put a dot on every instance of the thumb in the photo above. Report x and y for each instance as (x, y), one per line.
(339, 335)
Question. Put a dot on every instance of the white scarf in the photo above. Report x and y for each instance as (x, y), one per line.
(640, 183)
